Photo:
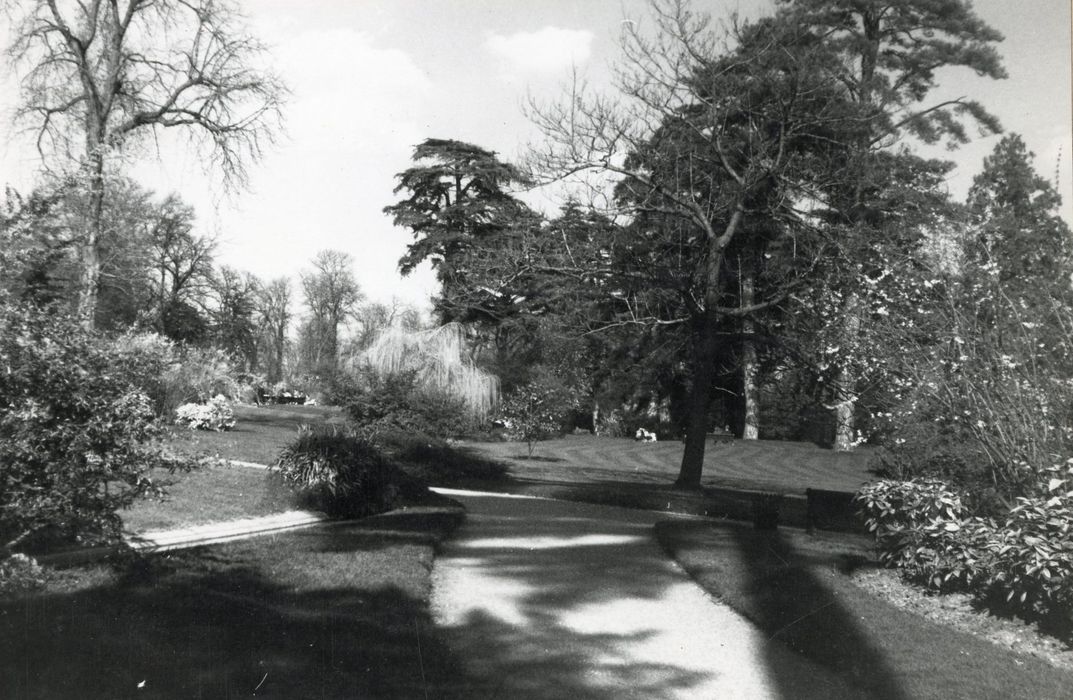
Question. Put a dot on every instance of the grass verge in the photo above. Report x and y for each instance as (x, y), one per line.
(337, 611)
(795, 587)
(215, 493)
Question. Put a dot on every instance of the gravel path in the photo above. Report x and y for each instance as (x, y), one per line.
(547, 599)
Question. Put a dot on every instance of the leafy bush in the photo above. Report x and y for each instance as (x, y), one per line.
(536, 411)
(78, 436)
(341, 474)
(215, 415)
(20, 573)
(173, 375)
(376, 402)
(1022, 562)
(197, 374)
(1032, 551)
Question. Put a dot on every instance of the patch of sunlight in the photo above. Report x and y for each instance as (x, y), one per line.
(547, 542)
(454, 605)
(677, 628)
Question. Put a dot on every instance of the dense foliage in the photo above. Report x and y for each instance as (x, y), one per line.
(344, 475)
(1021, 561)
(78, 433)
(537, 410)
(376, 402)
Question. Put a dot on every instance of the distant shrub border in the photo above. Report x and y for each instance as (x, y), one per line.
(1022, 562)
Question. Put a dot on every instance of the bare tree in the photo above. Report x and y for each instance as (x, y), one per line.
(182, 267)
(274, 317)
(331, 294)
(97, 75)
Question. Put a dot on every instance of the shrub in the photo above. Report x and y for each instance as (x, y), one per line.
(922, 527)
(173, 375)
(1032, 552)
(1021, 562)
(78, 436)
(20, 573)
(341, 474)
(376, 402)
(198, 374)
(536, 411)
(215, 415)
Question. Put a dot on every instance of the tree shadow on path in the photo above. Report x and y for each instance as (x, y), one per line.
(543, 601)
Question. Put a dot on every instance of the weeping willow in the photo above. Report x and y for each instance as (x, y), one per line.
(438, 357)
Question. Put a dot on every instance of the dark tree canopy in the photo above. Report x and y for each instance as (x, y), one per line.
(456, 198)
(1017, 211)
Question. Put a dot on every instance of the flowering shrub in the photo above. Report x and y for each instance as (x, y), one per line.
(20, 573)
(214, 415)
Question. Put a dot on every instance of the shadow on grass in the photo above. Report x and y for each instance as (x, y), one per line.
(794, 587)
(334, 612)
(537, 458)
(784, 594)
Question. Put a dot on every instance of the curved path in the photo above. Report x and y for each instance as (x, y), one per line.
(549, 599)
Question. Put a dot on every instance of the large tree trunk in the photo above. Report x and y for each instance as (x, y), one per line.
(844, 410)
(845, 384)
(89, 251)
(705, 349)
(750, 389)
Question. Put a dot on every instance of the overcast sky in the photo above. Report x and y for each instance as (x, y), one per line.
(372, 78)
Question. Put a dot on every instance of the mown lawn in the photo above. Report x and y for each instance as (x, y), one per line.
(220, 491)
(765, 465)
(259, 434)
(795, 587)
(209, 494)
(328, 612)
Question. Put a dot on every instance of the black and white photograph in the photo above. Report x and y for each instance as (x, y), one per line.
(583, 349)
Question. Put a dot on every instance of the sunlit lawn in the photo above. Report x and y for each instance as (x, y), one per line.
(259, 434)
(795, 588)
(769, 465)
(206, 495)
(226, 492)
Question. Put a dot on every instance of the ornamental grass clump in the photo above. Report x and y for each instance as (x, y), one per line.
(342, 475)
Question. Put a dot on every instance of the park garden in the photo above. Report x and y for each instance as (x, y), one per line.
(755, 253)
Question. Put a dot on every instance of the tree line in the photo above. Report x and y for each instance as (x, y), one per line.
(159, 273)
(757, 239)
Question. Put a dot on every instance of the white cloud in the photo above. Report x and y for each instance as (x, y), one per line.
(547, 50)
